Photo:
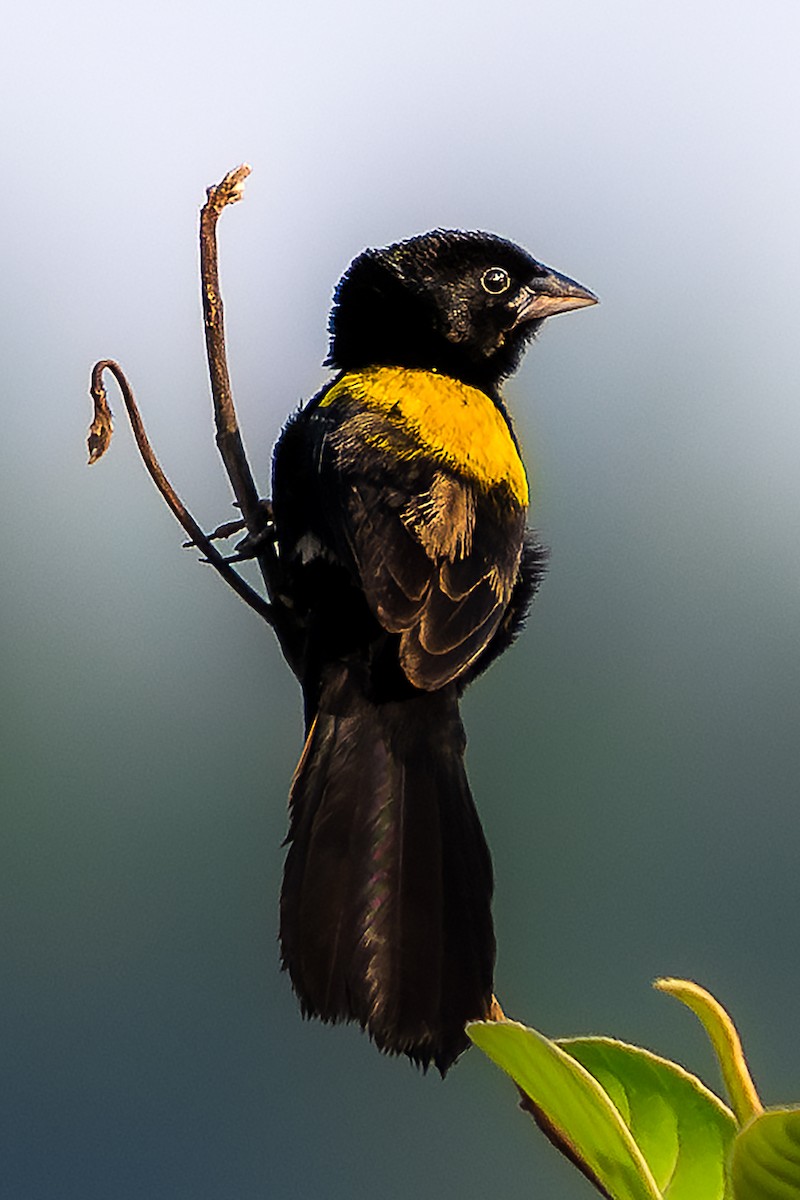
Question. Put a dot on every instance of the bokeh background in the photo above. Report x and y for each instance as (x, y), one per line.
(635, 759)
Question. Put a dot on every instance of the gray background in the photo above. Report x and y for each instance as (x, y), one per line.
(635, 759)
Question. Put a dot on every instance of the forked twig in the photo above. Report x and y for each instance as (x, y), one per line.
(255, 512)
(99, 439)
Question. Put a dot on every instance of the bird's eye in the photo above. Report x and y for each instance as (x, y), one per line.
(495, 280)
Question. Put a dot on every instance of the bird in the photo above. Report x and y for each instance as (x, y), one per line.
(399, 502)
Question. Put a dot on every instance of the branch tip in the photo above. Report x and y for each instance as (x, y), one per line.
(230, 189)
(102, 426)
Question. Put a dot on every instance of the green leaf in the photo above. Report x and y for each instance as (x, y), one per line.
(724, 1038)
(766, 1157)
(571, 1108)
(682, 1129)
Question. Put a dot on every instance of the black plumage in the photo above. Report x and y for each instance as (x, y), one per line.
(400, 506)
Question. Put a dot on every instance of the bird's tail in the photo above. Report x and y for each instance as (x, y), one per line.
(385, 909)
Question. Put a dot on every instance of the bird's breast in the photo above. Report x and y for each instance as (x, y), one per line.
(458, 425)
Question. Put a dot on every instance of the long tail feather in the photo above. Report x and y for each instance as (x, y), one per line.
(385, 909)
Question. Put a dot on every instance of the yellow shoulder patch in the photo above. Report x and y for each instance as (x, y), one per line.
(456, 424)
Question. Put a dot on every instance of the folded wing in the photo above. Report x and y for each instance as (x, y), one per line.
(437, 554)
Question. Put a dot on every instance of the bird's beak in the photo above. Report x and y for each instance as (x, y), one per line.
(549, 294)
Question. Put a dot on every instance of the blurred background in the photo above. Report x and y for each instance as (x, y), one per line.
(635, 759)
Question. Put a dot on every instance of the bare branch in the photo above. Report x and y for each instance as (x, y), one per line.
(256, 513)
(99, 439)
(229, 441)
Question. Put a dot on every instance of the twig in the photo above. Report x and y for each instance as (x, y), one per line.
(99, 438)
(229, 441)
(256, 513)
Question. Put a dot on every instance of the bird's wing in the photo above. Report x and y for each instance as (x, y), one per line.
(436, 555)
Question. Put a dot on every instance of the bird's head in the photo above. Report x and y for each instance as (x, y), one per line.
(464, 304)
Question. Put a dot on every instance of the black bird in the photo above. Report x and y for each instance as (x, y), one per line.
(400, 501)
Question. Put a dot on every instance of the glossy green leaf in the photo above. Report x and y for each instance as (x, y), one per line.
(765, 1164)
(682, 1129)
(571, 1107)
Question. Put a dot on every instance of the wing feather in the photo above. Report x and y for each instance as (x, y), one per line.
(437, 555)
